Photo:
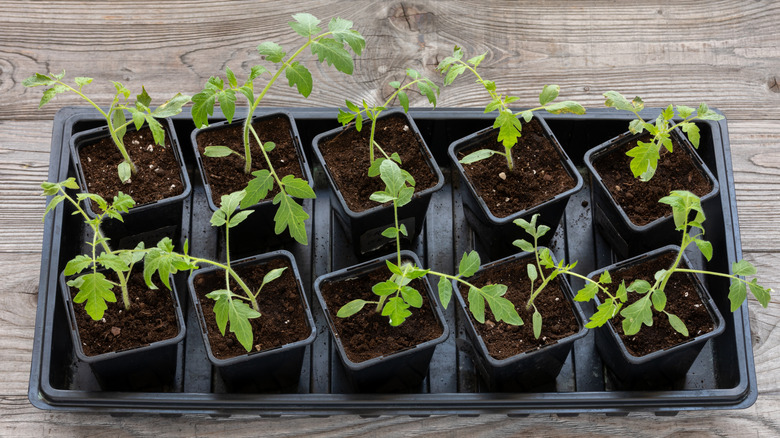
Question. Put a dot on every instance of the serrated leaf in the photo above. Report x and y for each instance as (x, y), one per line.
(77, 264)
(305, 24)
(412, 73)
(453, 73)
(227, 103)
(762, 294)
(477, 156)
(685, 111)
(49, 94)
(705, 247)
(342, 32)
(737, 294)
(290, 216)
(144, 98)
(158, 132)
(334, 54)
(469, 264)
(113, 262)
(351, 308)
(618, 101)
(635, 315)
(622, 292)
(203, 106)
(397, 310)
(218, 218)
(403, 99)
(257, 71)
(743, 267)
(509, 128)
(55, 201)
(300, 77)
(273, 52)
(429, 90)
(502, 308)
(297, 187)
(668, 113)
(604, 312)
(38, 80)
(231, 77)
(95, 289)
(445, 291)
(258, 188)
(475, 61)
(548, 94)
(230, 202)
(238, 315)
(644, 160)
(677, 324)
(587, 293)
(605, 278)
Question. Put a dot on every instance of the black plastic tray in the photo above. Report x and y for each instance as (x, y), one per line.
(723, 376)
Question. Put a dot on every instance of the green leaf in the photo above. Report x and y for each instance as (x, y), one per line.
(532, 274)
(677, 324)
(217, 151)
(475, 61)
(230, 202)
(567, 106)
(737, 294)
(412, 73)
(635, 315)
(605, 311)
(524, 245)
(622, 292)
(290, 216)
(158, 132)
(342, 32)
(258, 188)
(743, 267)
(49, 94)
(272, 275)
(527, 115)
(334, 54)
(587, 293)
(476, 305)
(668, 113)
(619, 102)
(659, 300)
(351, 308)
(390, 233)
(469, 264)
(397, 309)
(273, 52)
(763, 295)
(55, 201)
(537, 318)
(693, 133)
(257, 71)
(705, 113)
(113, 262)
(218, 218)
(392, 177)
(509, 128)
(238, 315)
(685, 111)
(77, 264)
(502, 308)
(118, 119)
(382, 197)
(124, 171)
(705, 247)
(453, 73)
(385, 288)
(478, 156)
(548, 94)
(393, 268)
(429, 90)
(305, 24)
(605, 278)
(231, 77)
(403, 99)
(239, 217)
(203, 106)
(644, 160)
(640, 286)
(636, 126)
(297, 187)
(445, 291)
(95, 289)
(39, 80)
(227, 103)
(412, 296)
(165, 262)
(300, 77)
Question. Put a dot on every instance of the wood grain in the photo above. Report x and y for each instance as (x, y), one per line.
(726, 53)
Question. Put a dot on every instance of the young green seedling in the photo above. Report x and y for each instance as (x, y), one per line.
(94, 287)
(645, 156)
(640, 313)
(396, 296)
(140, 110)
(509, 123)
(426, 88)
(328, 46)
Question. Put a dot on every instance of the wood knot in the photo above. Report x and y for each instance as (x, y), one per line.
(774, 86)
(411, 18)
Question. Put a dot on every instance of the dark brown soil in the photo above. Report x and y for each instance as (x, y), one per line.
(151, 318)
(675, 171)
(504, 340)
(226, 175)
(682, 300)
(538, 174)
(348, 159)
(158, 174)
(368, 334)
(283, 319)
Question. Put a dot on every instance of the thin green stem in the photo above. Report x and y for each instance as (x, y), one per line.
(268, 162)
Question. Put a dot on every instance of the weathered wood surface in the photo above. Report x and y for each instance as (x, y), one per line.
(726, 53)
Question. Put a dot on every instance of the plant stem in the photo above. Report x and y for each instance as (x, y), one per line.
(268, 162)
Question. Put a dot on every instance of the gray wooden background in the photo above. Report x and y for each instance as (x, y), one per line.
(726, 53)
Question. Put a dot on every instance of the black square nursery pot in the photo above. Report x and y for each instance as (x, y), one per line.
(364, 228)
(534, 368)
(497, 233)
(273, 369)
(663, 368)
(255, 234)
(146, 368)
(401, 371)
(144, 222)
(625, 236)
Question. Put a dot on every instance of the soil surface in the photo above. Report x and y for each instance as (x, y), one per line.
(504, 340)
(151, 318)
(283, 319)
(682, 300)
(158, 176)
(226, 175)
(348, 159)
(368, 334)
(675, 171)
(538, 173)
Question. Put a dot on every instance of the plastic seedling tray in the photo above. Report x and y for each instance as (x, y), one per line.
(723, 376)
